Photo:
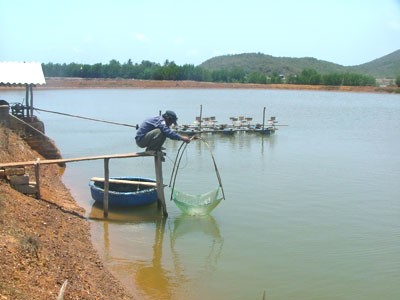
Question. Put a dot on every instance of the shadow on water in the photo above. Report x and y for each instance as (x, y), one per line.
(165, 272)
(141, 214)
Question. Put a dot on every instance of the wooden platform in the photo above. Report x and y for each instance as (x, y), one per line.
(76, 159)
(158, 158)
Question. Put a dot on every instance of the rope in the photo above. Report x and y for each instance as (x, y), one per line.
(177, 167)
(85, 118)
(178, 161)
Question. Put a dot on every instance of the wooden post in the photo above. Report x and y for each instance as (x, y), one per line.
(31, 101)
(37, 177)
(26, 100)
(160, 184)
(263, 120)
(201, 116)
(106, 186)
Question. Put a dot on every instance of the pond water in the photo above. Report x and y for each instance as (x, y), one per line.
(312, 212)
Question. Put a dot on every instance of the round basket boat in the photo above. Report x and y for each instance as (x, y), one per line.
(125, 191)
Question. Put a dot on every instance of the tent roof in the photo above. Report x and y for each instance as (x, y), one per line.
(21, 73)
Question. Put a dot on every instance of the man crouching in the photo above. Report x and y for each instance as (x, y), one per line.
(153, 132)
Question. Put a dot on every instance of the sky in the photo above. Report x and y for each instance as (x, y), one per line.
(346, 32)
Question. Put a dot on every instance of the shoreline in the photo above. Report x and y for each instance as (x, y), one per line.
(46, 242)
(55, 83)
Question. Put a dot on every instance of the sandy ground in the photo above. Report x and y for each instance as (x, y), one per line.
(68, 83)
(45, 242)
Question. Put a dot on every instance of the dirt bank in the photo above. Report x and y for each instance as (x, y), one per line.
(45, 242)
(81, 83)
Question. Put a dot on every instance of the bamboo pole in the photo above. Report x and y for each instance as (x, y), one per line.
(37, 177)
(160, 185)
(106, 186)
(76, 159)
(133, 182)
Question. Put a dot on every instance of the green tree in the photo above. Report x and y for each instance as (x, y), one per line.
(275, 78)
(219, 75)
(170, 71)
(332, 79)
(398, 80)
(292, 79)
(309, 76)
(236, 75)
(353, 79)
(97, 70)
(113, 69)
(257, 77)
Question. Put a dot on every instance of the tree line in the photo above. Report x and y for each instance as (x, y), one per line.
(310, 76)
(147, 70)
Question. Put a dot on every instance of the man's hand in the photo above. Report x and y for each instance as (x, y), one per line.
(186, 139)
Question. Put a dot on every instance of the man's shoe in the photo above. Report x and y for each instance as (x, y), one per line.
(151, 149)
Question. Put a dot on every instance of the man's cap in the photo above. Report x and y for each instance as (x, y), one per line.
(172, 116)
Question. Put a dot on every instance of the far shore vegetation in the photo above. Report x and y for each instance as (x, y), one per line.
(147, 70)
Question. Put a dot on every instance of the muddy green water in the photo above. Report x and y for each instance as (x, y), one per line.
(312, 212)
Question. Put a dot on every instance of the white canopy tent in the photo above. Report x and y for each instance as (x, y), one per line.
(26, 74)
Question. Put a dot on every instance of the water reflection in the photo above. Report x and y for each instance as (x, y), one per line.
(238, 141)
(268, 140)
(191, 226)
(167, 271)
(142, 214)
(150, 276)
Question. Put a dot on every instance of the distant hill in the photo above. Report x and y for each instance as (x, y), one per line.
(385, 67)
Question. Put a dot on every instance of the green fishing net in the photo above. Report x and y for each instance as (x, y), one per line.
(201, 204)
(197, 204)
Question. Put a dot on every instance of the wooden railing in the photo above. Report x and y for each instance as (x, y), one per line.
(158, 158)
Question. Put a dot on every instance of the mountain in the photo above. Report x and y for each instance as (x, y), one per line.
(385, 67)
